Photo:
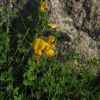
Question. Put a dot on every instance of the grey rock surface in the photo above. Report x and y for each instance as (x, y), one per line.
(80, 19)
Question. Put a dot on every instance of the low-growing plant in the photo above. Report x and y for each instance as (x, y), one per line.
(26, 77)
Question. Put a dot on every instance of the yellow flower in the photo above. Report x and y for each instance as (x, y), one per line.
(50, 39)
(38, 45)
(43, 6)
(35, 44)
(52, 46)
(37, 53)
(42, 44)
(49, 52)
(53, 25)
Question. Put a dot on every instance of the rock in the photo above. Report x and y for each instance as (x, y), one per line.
(79, 19)
(15, 5)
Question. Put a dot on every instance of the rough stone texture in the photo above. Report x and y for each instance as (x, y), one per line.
(15, 5)
(80, 19)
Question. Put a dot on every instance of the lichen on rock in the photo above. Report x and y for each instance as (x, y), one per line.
(79, 19)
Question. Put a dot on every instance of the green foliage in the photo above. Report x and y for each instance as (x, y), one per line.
(23, 77)
(51, 79)
(4, 47)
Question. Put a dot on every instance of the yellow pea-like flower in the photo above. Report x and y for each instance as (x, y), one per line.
(52, 46)
(42, 9)
(42, 44)
(53, 25)
(37, 53)
(49, 52)
(43, 6)
(50, 39)
(36, 44)
(46, 47)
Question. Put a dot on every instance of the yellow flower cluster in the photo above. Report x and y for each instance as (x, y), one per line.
(43, 6)
(45, 47)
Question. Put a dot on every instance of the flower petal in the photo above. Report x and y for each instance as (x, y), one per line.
(43, 6)
(50, 39)
(42, 44)
(53, 25)
(49, 52)
(52, 46)
(42, 9)
(37, 53)
(36, 44)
